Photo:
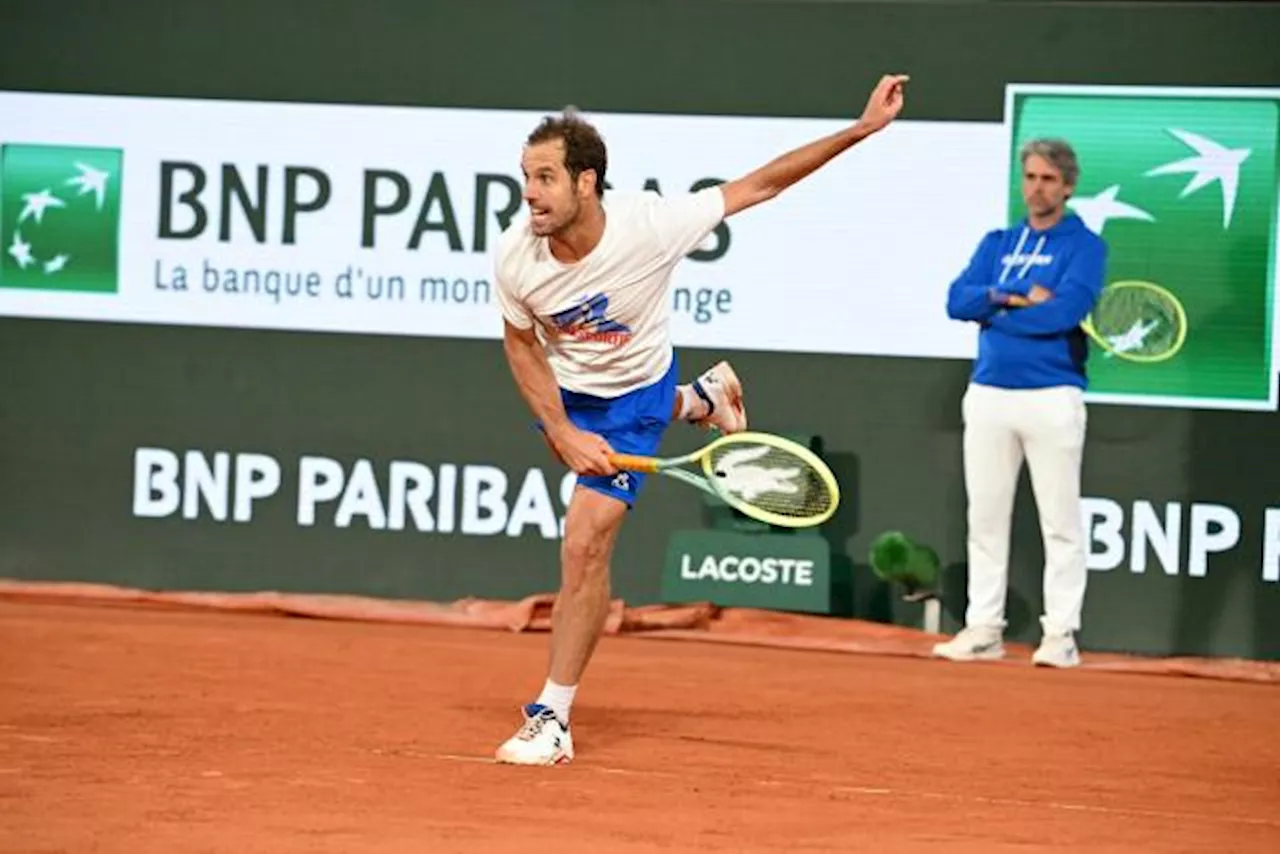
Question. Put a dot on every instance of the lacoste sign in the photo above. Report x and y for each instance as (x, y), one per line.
(784, 572)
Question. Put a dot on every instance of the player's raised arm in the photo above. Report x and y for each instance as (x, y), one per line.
(883, 106)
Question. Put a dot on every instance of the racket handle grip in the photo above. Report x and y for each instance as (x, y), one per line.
(630, 462)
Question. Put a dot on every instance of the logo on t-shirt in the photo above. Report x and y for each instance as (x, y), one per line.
(589, 321)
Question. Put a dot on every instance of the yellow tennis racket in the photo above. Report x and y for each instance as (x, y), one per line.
(1137, 321)
(766, 477)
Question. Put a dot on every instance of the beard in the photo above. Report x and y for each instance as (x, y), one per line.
(554, 225)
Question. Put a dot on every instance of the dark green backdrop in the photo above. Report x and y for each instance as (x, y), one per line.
(77, 398)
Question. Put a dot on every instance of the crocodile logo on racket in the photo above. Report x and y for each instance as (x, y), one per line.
(740, 477)
(1133, 338)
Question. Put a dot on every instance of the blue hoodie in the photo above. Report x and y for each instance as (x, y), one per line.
(1041, 345)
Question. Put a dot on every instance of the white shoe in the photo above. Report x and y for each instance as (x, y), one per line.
(1057, 649)
(980, 643)
(720, 387)
(541, 740)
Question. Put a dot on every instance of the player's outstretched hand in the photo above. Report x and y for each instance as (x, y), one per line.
(885, 102)
(585, 453)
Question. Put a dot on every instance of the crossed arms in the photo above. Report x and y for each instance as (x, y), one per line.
(1039, 310)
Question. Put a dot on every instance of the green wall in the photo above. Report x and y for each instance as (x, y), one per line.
(785, 57)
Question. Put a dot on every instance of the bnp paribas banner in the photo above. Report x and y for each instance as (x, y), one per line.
(371, 219)
(321, 217)
(1182, 185)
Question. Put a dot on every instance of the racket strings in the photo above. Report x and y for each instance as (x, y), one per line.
(1141, 321)
(770, 478)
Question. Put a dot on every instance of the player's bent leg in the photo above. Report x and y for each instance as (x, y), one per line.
(591, 528)
(714, 399)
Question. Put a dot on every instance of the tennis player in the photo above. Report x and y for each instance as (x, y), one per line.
(1029, 288)
(583, 288)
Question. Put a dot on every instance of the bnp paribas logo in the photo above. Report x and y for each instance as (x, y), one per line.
(1183, 186)
(60, 217)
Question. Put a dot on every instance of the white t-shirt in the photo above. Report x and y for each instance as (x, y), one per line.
(605, 320)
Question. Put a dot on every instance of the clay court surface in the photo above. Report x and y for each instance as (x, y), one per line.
(143, 729)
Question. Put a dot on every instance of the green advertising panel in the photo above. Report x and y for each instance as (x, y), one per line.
(774, 571)
(1181, 183)
(60, 217)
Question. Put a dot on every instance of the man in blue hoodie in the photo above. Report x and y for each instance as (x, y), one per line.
(1028, 288)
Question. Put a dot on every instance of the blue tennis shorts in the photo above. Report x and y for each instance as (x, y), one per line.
(632, 424)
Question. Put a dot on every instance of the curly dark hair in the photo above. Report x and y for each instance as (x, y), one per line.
(583, 147)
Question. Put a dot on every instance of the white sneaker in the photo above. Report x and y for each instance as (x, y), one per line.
(981, 643)
(722, 390)
(1057, 649)
(541, 740)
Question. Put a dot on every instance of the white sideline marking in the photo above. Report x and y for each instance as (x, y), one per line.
(881, 792)
(483, 760)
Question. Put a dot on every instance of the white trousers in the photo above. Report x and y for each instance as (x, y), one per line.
(1046, 427)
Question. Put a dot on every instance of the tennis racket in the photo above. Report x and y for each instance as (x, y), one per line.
(766, 477)
(1137, 321)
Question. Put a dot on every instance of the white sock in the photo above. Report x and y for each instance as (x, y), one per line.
(692, 407)
(558, 698)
